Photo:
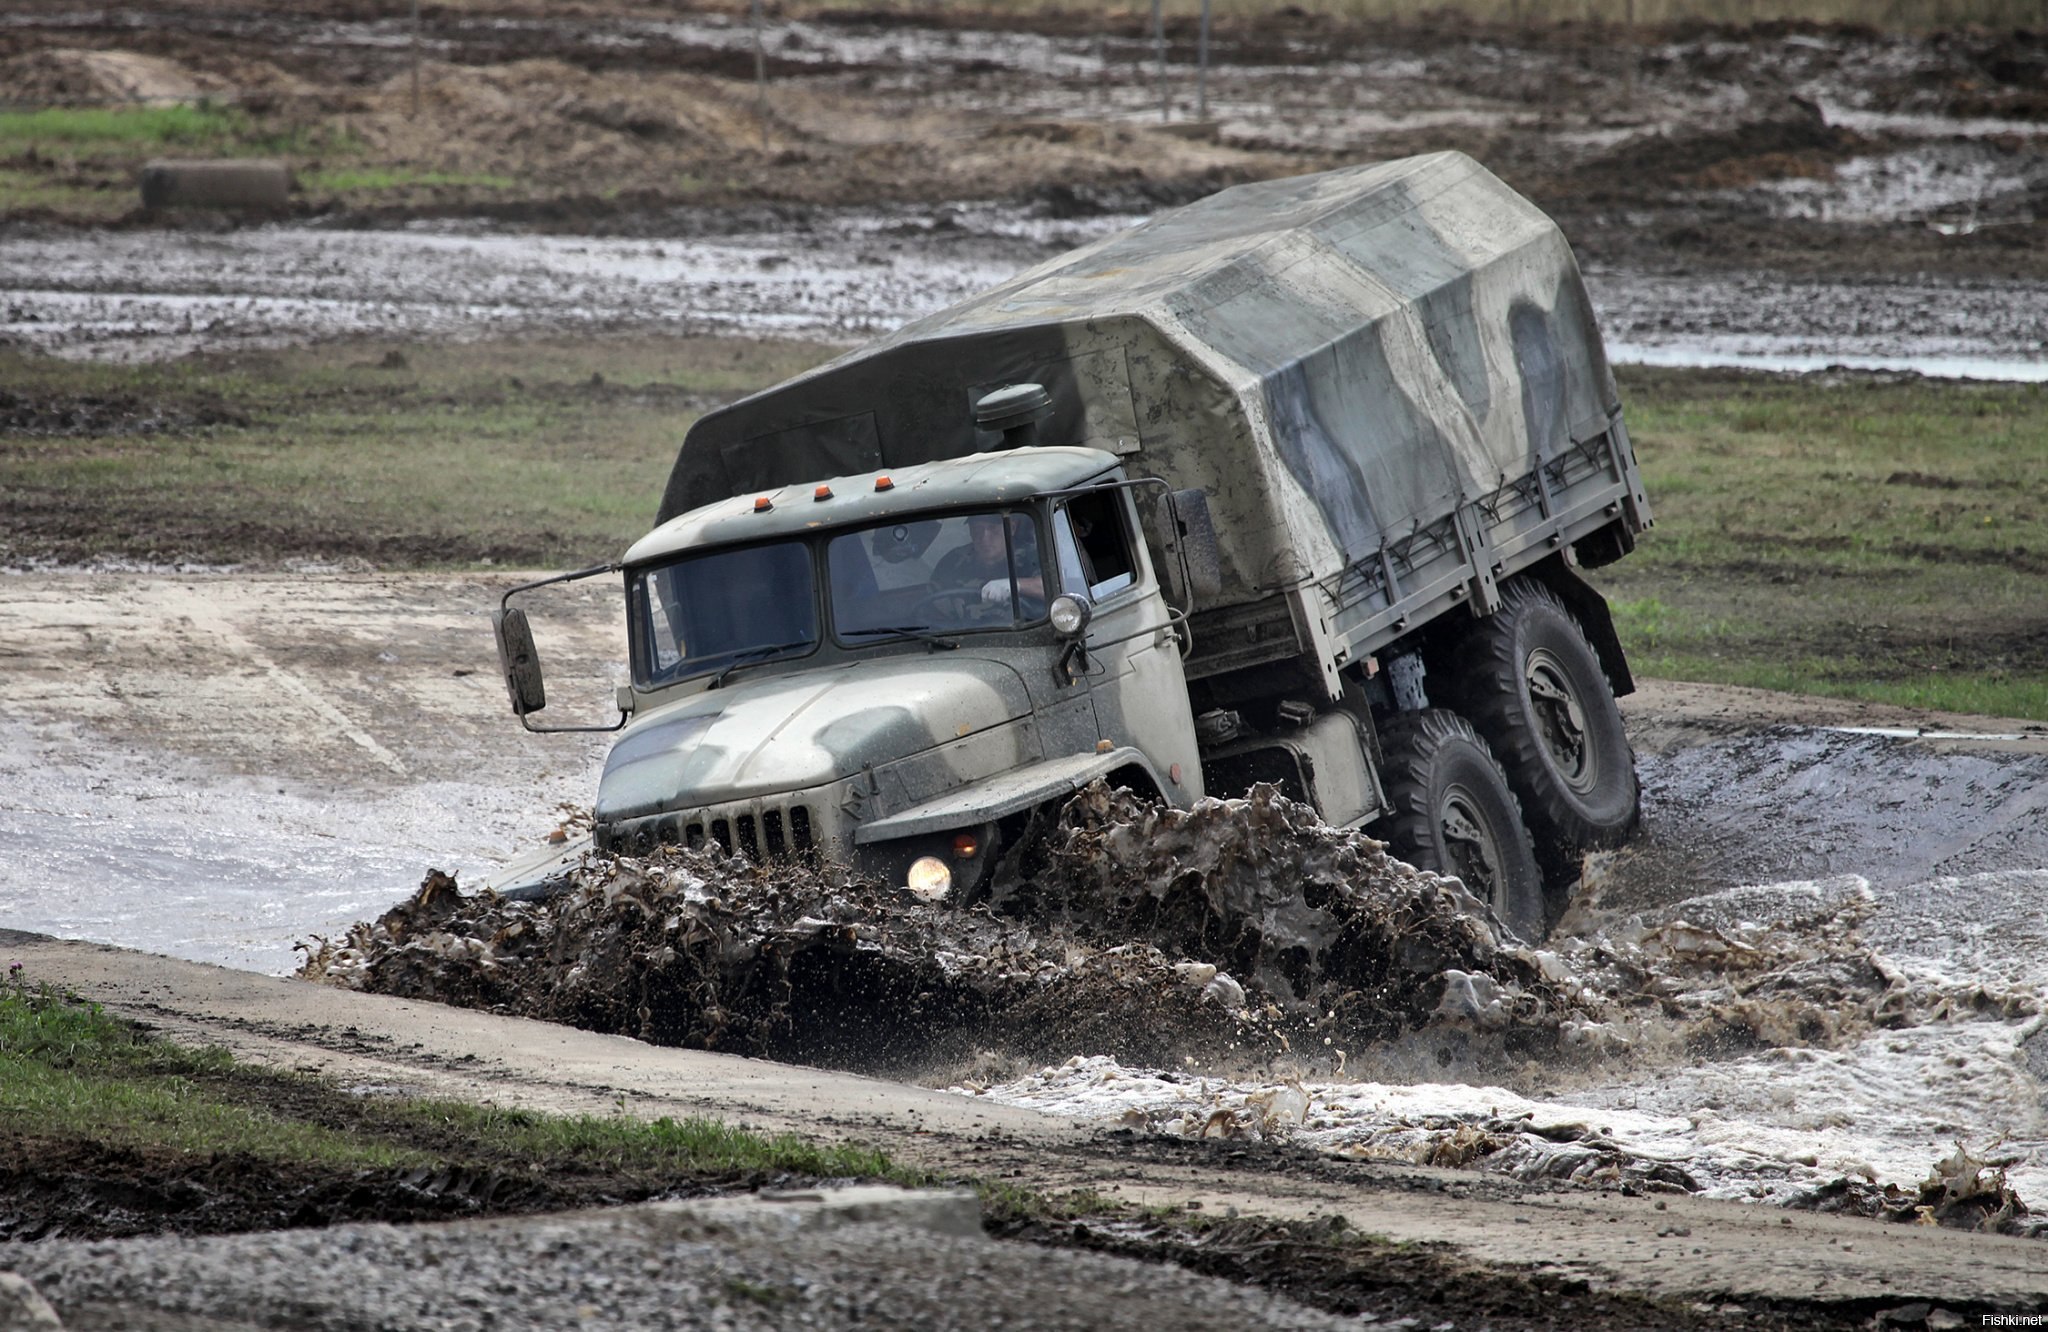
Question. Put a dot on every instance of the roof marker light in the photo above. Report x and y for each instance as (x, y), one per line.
(883, 483)
(821, 494)
(763, 504)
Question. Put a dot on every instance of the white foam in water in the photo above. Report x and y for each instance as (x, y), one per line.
(1967, 962)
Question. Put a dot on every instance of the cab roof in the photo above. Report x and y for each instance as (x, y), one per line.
(855, 500)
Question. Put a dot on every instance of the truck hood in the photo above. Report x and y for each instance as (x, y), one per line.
(787, 732)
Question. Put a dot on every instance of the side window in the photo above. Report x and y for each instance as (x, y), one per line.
(1094, 547)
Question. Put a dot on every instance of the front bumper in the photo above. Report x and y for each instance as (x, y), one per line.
(799, 827)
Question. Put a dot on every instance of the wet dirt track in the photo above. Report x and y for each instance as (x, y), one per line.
(1782, 196)
(1744, 788)
(218, 767)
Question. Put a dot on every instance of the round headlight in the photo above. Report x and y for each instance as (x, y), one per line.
(929, 878)
(1069, 615)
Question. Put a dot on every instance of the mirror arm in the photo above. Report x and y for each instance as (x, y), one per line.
(505, 604)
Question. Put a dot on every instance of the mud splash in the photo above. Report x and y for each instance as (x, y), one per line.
(1231, 933)
(1240, 970)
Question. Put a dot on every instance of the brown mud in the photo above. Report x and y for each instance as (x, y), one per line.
(1239, 928)
(1662, 147)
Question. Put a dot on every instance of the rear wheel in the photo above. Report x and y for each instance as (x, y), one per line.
(1452, 813)
(1533, 687)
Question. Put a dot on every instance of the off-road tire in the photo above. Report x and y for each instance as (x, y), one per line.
(1451, 812)
(1533, 687)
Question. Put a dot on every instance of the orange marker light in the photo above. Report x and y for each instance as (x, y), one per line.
(821, 494)
(763, 504)
(965, 845)
(884, 483)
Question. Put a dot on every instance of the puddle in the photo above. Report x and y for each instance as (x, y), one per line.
(1957, 328)
(130, 296)
(1833, 1042)
(1957, 189)
(149, 295)
(124, 849)
(1923, 126)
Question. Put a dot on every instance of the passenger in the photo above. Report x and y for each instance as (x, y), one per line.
(982, 566)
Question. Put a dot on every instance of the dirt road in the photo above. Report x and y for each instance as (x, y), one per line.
(1836, 1269)
(217, 765)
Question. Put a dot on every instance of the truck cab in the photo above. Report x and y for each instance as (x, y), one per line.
(891, 667)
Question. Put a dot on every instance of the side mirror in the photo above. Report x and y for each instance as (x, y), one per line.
(519, 661)
(1191, 566)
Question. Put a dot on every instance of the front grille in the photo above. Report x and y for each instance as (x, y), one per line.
(756, 832)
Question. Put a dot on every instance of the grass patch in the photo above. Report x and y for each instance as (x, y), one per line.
(431, 456)
(85, 200)
(173, 1139)
(69, 1071)
(1865, 538)
(137, 130)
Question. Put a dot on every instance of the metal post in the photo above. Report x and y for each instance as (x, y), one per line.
(1159, 58)
(1202, 74)
(760, 70)
(415, 59)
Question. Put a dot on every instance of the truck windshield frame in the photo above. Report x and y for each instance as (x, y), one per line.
(739, 605)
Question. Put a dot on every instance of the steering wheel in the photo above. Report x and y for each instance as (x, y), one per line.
(952, 604)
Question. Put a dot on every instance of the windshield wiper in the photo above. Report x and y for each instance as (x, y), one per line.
(922, 632)
(750, 655)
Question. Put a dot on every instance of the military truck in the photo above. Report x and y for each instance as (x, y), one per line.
(1289, 485)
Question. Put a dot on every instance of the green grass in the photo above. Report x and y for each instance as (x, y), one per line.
(1863, 539)
(686, 1146)
(1868, 539)
(69, 1070)
(90, 201)
(137, 129)
(506, 452)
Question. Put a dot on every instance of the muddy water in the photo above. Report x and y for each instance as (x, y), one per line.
(146, 295)
(1780, 1125)
(848, 275)
(234, 871)
(1939, 940)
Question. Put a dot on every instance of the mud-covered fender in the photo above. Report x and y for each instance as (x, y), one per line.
(1004, 794)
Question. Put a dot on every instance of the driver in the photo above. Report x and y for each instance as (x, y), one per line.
(982, 566)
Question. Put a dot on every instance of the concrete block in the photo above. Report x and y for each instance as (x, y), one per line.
(237, 183)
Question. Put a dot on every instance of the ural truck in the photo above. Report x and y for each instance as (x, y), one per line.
(1289, 485)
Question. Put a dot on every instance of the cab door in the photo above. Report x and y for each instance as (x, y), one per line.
(1134, 676)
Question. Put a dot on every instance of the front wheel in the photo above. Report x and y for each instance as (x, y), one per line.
(1451, 812)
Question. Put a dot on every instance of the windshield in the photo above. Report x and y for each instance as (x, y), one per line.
(936, 575)
(708, 612)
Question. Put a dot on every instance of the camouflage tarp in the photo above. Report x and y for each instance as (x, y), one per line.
(1339, 360)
